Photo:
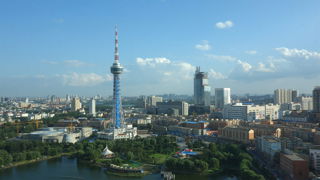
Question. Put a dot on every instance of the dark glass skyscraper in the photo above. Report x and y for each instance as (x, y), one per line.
(316, 99)
(202, 90)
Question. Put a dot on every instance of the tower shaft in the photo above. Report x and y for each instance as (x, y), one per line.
(116, 70)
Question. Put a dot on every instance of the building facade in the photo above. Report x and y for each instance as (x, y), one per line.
(76, 104)
(268, 146)
(314, 155)
(92, 107)
(222, 97)
(168, 107)
(237, 133)
(294, 166)
(250, 112)
(282, 96)
(306, 103)
(202, 90)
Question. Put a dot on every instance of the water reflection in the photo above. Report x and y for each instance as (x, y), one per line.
(66, 168)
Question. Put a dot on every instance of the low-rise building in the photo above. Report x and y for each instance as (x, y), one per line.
(294, 167)
(173, 107)
(237, 133)
(250, 112)
(268, 146)
(59, 135)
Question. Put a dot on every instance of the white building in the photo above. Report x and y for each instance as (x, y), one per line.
(250, 112)
(76, 104)
(92, 107)
(152, 100)
(128, 132)
(268, 145)
(306, 103)
(222, 97)
(314, 155)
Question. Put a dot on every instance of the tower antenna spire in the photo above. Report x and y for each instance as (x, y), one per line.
(116, 53)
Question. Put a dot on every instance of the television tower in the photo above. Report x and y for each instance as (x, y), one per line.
(116, 70)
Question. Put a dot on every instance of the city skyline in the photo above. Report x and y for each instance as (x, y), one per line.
(68, 52)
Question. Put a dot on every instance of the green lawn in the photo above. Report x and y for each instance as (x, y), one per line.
(158, 158)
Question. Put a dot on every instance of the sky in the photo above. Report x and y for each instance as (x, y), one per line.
(59, 47)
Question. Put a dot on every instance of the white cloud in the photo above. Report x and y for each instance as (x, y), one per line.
(72, 63)
(251, 52)
(221, 57)
(204, 46)
(152, 61)
(298, 53)
(223, 25)
(246, 67)
(215, 75)
(263, 68)
(75, 63)
(85, 79)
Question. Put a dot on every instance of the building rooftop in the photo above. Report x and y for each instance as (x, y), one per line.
(294, 157)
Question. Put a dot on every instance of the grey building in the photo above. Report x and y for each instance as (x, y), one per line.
(202, 89)
(316, 99)
(282, 96)
(173, 107)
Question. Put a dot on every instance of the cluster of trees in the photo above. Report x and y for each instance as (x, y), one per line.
(9, 130)
(16, 151)
(137, 149)
(187, 165)
(218, 158)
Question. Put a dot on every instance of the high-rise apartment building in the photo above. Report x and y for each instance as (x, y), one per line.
(222, 97)
(282, 96)
(92, 107)
(202, 90)
(306, 103)
(153, 100)
(76, 104)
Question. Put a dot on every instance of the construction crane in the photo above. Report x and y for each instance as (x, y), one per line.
(36, 122)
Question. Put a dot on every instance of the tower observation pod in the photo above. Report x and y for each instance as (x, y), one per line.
(116, 70)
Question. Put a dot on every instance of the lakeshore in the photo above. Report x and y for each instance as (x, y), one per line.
(70, 168)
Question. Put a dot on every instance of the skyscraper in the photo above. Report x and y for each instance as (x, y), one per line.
(202, 89)
(222, 97)
(316, 99)
(116, 70)
(75, 104)
(92, 107)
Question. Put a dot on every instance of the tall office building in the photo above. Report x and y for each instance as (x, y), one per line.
(92, 107)
(76, 104)
(282, 96)
(202, 89)
(316, 99)
(222, 97)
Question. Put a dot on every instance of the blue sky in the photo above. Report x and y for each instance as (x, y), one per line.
(66, 46)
